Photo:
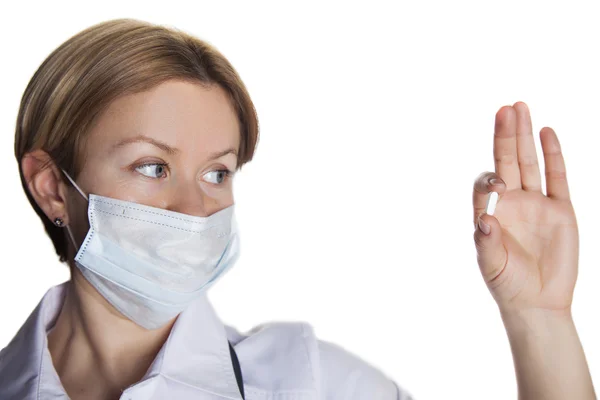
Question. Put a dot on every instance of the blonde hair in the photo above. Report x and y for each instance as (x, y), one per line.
(79, 79)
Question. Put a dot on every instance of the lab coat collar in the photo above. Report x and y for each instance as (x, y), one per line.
(196, 353)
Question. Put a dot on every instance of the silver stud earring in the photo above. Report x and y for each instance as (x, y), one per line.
(59, 222)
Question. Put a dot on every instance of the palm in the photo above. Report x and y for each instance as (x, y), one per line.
(540, 237)
(534, 264)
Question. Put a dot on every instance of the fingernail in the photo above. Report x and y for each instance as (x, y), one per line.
(496, 181)
(483, 227)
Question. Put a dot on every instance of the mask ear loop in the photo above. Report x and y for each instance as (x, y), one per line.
(84, 196)
(72, 238)
(74, 184)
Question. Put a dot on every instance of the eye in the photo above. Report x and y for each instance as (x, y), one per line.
(153, 170)
(219, 176)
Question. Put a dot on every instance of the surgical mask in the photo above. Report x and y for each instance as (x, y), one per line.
(151, 263)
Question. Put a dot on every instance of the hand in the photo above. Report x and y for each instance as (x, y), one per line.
(528, 251)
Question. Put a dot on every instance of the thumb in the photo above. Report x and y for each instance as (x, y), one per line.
(491, 254)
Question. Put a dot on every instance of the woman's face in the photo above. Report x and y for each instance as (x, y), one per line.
(173, 147)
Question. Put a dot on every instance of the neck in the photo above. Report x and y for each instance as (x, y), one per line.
(92, 339)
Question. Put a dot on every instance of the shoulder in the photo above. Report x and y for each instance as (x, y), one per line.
(296, 358)
(21, 362)
(346, 376)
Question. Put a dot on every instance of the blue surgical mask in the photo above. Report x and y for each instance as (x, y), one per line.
(151, 263)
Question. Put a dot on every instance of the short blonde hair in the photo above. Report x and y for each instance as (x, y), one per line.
(79, 79)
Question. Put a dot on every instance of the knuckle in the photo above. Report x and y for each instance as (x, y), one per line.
(505, 159)
(479, 240)
(553, 153)
(528, 161)
(530, 186)
(556, 175)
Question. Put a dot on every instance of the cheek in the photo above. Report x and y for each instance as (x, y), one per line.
(219, 195)
(78, 219)
(138, 191)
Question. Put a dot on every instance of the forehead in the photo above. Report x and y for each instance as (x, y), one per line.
(186, 115)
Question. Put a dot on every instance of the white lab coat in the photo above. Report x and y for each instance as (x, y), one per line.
(279, 361)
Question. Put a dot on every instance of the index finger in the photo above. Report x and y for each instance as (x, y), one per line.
(485, 183)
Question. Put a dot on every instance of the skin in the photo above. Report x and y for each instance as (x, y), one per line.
(96, 351)
(528, 254)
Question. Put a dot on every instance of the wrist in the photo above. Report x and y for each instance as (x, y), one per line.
(546, 348)
(537, 321)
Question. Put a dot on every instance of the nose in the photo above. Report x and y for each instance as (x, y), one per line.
(188, 198)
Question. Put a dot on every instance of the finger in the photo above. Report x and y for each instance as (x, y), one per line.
(485, 183)
(505, 147)
(491, 254)
(556, 174)
(527, 155)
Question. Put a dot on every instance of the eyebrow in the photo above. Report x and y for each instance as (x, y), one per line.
(166, 148)
(141, 138)
(220, 154)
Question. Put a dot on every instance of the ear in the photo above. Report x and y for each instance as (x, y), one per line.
(45, 183)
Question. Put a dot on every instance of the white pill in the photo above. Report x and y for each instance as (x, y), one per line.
(491, 203)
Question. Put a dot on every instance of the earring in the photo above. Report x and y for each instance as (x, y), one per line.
(59, 222)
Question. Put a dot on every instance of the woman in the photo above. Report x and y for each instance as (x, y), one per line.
(127, 139)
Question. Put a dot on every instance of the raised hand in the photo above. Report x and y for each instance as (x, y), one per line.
(528, 251)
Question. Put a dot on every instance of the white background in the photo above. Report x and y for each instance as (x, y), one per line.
(356, 211)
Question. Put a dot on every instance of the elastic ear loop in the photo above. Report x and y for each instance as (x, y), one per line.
(84, 196)
(74, 184)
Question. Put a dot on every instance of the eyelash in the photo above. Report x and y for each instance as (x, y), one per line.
(228, 173)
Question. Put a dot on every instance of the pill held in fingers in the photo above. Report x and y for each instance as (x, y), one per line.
(491, 203)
